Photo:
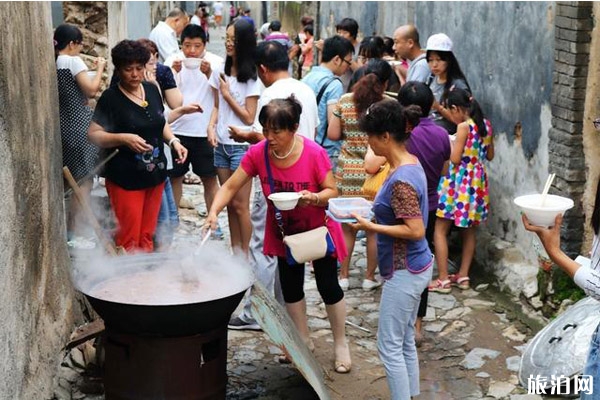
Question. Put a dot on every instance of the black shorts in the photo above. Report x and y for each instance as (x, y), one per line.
(200, 154)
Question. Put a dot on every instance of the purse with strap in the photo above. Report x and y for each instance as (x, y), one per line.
(305, 246)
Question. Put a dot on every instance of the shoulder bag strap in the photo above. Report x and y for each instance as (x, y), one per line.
(319, 97)
(278, 216)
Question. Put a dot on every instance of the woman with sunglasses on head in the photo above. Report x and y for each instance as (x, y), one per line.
(236, 87)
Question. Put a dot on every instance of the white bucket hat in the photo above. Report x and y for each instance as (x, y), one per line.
(439, 42)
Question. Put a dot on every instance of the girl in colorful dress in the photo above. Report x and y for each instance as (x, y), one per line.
(464, 198)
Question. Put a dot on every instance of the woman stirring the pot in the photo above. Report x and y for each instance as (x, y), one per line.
(401, 211)
(130, 117)
(296, 165)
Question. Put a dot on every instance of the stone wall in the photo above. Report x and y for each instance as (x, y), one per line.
(591, 137)
(571, 59)
(91, 17)
(36, 297)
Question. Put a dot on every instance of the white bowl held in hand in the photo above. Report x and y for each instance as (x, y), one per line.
(191, 63)
(539, 215)
(285, 200)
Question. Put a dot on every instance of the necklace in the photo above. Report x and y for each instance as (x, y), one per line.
(142, 98)
(277, 156)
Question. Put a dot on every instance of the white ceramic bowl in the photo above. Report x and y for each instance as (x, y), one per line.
(285, 200)
(191, 63)
(531, 205)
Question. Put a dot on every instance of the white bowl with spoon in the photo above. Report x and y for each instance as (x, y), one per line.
(542, 209)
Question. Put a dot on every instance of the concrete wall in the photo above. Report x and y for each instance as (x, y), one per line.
(506, 51)
(36, 296)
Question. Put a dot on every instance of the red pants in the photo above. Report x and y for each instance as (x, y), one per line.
(137, 215)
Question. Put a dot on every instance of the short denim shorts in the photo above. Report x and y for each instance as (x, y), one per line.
(229, 156)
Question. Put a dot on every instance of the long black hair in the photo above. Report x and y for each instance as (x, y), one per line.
(596, 213)
(245, 48)
(462, 98)
(453, 72)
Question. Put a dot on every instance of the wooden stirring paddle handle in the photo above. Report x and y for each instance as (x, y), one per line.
(89, 214)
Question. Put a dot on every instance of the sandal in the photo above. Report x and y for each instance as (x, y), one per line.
(191, 180)
(461, 282)
(342, 367)
(440, 286)
(284, 359)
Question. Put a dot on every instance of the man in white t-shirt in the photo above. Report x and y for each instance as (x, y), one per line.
(165, 33)
(193, 80)
(272, 68)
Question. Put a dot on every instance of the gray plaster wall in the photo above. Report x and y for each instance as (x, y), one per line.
(36, 296)
(506, 50)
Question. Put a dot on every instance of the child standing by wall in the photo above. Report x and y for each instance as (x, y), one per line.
(464, 197)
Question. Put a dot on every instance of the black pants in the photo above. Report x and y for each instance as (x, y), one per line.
(292, 280)
(429, 236)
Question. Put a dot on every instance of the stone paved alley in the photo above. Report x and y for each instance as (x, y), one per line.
(471, 349)
(473, 341)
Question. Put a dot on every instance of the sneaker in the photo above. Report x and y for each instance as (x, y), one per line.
(239, 324)
(344, 284)
(370, 285)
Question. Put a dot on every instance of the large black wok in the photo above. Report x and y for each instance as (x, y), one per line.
(158, 320)
(166, 321)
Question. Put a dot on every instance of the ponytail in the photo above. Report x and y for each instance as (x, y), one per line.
(463, 98)
(370, 88)
(477, 115)
(65, 34)
(412, 115)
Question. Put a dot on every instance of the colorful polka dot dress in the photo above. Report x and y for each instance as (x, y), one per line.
(464, 196)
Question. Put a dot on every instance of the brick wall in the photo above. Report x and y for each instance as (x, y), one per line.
(573, 27)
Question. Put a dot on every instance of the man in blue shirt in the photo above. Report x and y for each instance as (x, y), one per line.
(323, 80)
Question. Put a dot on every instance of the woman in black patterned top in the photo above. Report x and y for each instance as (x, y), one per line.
(130, 117)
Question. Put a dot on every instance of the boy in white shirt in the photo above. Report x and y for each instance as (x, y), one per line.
(193, 80)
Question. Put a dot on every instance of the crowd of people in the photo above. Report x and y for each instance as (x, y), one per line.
(380, 109)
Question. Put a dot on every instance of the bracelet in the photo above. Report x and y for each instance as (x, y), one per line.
(317, 202)
(173, 141)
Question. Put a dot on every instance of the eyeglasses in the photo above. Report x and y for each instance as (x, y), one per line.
(347, 62)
